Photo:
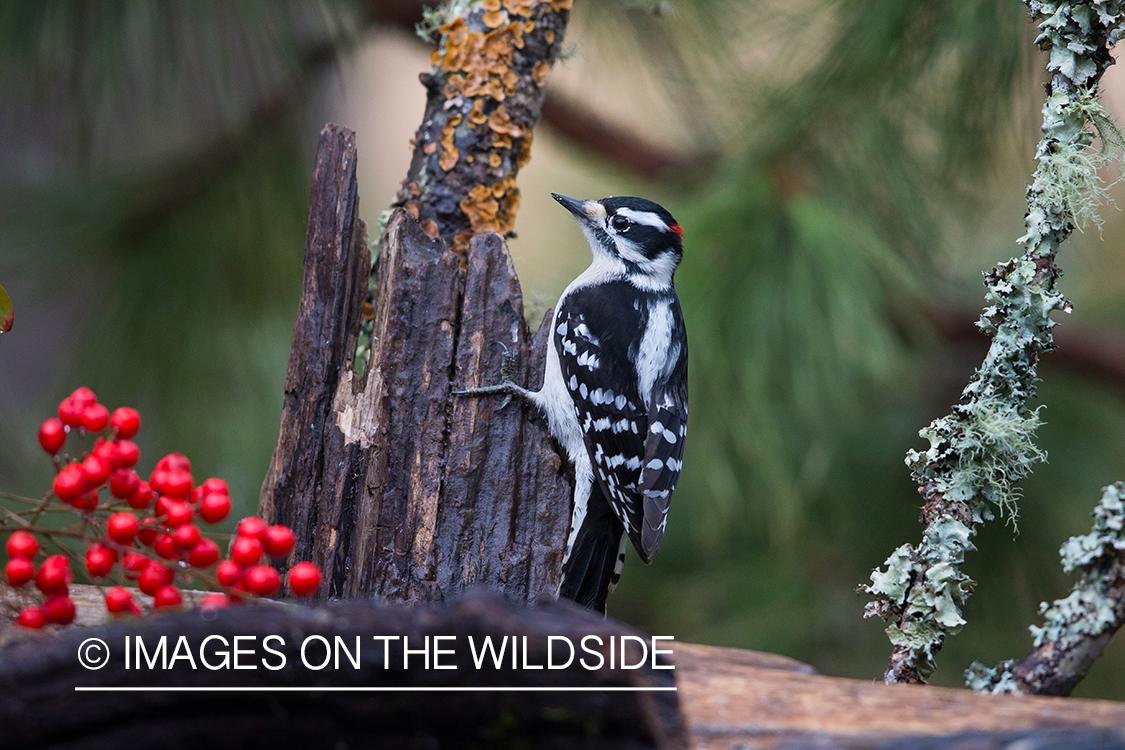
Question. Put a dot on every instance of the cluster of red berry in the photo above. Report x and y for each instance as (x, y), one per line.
(156, 540)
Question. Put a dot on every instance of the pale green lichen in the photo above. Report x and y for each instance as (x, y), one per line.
(981, 450)
(1071, 179)
(1087, 611)
(434, 18)
(1093, 607)
(985, 679)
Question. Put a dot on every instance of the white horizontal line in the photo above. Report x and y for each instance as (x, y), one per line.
(362, 689)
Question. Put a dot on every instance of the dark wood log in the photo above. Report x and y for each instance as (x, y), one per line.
(730, 699)
(39, 674)
(393, 486)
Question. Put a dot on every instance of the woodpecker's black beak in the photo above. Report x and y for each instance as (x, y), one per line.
(578, 208)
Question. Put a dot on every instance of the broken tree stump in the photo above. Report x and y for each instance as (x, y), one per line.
(392, 485)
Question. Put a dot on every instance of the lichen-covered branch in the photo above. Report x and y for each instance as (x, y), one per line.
(1077, 628)
(981, 450)
(484, 97)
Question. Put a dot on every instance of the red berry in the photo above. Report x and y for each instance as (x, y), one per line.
(96, 470)
(262, 580)
(153, 577)
(106, 451)
(279, 541)
(204, 554)
(22, 544)
(33, 618)
(118, 600)
(95, 417)
(143, 497)
(123, 483)
(52, 435)
(134, 563)
(215, 485)
(84, 396)
(252, 527)
(86, 501)
(186, 536)
(174, 461)
(228, 573)
(99, 561)
(159, 480)
(59, 609)
(304, 579)
(122, 527)
(177, 513)
(215, 601)
(167, 596)
(19, 570)
(214, 507)
(165, 546)
(54, 575)
(126, 422)
(146, 534)
(237, 592)
(70, 412)
(177, 483)
(246, 551)
(70, 482)
(127, 454)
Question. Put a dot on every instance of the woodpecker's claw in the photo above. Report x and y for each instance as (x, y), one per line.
(507, 359)
(507, 386)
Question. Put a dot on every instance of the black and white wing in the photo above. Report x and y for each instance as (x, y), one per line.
(664, 440)
(598, 334)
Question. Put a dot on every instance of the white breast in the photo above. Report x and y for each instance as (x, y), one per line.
(654, 355)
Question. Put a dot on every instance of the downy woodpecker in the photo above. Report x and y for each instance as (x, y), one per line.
(615, 389)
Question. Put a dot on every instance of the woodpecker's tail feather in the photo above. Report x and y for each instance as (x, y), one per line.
(593, 567)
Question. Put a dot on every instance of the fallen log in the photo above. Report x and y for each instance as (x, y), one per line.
(747, 700)
(341, 674)
(728, 698)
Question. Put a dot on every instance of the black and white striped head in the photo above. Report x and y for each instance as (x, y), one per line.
(635, 233)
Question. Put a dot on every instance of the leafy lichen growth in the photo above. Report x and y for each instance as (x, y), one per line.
(981, 450)
(1093, 608)
(1087, 611)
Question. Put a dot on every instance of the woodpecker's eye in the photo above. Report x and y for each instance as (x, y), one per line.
(619, 223)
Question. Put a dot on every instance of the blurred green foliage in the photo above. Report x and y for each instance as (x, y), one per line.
(152, 205)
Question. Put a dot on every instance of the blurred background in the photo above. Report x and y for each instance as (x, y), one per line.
(844, 171)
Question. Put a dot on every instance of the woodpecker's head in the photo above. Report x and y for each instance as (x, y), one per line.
(636, 233)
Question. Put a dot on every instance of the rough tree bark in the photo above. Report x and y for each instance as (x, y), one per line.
(392, 486)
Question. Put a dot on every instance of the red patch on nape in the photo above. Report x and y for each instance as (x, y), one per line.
(676, 228)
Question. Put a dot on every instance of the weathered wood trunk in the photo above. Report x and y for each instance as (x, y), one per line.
(394, 486)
